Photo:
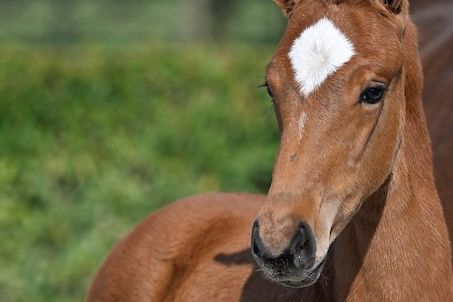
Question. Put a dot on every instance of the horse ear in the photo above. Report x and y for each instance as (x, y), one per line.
(287, 5)
(393, 5)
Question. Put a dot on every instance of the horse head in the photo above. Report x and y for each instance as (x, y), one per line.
(337, 81)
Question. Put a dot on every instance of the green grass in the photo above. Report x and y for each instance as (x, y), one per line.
(92, 141)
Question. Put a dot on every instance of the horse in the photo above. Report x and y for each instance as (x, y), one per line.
(352, 213)
(434, 20)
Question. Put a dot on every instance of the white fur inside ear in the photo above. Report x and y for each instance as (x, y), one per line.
(317, 53)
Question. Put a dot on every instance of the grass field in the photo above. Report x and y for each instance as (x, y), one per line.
(93, 140)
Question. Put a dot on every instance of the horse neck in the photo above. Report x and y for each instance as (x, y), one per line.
(396, 247)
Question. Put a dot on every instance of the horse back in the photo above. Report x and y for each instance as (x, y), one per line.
(159, 259)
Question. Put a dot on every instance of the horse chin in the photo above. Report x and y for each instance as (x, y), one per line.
(301, 284)
(311, 277)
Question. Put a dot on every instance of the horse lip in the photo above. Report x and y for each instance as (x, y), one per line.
(318, 267)
(311, 278)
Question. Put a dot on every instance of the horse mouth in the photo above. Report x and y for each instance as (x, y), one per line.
(300, 279)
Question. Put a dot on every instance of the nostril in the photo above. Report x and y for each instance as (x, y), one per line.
(303, 247)
(257, 247)
(255, 227)
(299, 241)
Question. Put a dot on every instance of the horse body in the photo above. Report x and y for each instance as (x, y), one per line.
(369, 230)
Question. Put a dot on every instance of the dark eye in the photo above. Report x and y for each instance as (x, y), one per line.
(373, 95)
(269, 91)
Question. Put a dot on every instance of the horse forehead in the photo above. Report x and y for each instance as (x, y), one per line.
(319, 51)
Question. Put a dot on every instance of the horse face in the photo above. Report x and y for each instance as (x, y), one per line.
(337, 81)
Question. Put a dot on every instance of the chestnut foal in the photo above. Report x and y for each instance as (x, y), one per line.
(352, 214)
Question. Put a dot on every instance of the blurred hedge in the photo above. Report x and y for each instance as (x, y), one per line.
(93, 140)
(117, 22)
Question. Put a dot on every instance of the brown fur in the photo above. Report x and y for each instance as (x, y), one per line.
(436, 30)
(391, 238)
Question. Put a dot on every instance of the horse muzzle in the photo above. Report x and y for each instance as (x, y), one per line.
(295, 266)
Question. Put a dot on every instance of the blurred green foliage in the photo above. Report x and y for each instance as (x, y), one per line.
(92, 140)
(118, 23)
(109, 110)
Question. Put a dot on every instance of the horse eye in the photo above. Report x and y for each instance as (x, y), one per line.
(372, 95)
(269, 91)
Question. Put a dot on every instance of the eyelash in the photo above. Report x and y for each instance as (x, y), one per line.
(269, 91)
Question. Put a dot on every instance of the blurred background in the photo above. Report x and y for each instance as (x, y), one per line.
(110, 109)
